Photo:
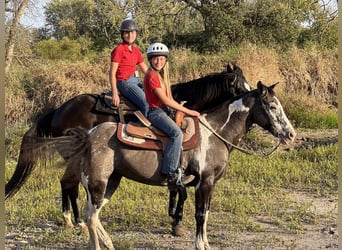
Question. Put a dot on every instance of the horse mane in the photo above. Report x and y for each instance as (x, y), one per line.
(202, 91)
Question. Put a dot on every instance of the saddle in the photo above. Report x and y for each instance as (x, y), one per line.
(146, 136)
(104, 105)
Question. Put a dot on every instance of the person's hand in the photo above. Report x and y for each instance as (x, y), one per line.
(116, 100)
(194, 113)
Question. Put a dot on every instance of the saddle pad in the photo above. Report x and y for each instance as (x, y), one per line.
(137, 130)
(127, 139)
(155, 142)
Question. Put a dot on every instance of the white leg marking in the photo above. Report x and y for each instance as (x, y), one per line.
(67, 220)
(205, 238)
(95, 227)
(199, 243)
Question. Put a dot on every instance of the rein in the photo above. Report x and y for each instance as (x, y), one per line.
(227, 143)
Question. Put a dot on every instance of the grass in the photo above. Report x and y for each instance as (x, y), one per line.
(253, 187)
(306, 112)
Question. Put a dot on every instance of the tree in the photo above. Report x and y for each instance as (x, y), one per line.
(14, 11)
(97, 20)
(68, 18)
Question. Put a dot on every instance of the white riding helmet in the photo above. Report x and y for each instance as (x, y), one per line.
(157, 49)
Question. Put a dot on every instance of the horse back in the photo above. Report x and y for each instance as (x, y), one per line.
(78, 112)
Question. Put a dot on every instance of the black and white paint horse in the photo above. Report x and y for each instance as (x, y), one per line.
(80, 111)
(101, 160)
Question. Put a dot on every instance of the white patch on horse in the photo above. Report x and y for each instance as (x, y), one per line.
(247, 86)
(236, 106)
(279, 117)
(204, 146)
(205, 225)
(84, 180)
(92, 130)
(202, 239)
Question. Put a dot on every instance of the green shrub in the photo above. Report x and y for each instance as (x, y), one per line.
(305, 112)
(64, 49)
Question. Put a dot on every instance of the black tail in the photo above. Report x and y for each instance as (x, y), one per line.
(25, 165)
(73, 147)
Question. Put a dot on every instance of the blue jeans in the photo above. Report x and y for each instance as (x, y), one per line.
(160, 119)
(133, 90)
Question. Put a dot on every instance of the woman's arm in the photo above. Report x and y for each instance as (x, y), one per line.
(143, 67)
(173, 104)
(112, 80)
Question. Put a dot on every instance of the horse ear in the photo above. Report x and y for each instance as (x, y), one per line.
(273, 85)
(262, 89)
(229, 68)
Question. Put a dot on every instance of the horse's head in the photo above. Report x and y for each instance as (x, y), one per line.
(239, 84)
(271, 116)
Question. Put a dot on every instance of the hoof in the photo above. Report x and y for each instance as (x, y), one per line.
(179, 230)
(69, 226)
(84, 229)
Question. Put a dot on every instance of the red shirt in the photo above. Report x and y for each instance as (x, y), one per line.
(127, 60)
(151, 82)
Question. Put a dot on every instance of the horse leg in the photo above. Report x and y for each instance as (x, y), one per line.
(73, 196)
(112, 185)
(178, 228)
(202, 196)
(66, 209)
(172, 203)
(69, 185)
(96, 230)
(95, 193)
(67, 188)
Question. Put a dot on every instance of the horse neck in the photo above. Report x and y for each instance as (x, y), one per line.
(232, 120)
(203, 93)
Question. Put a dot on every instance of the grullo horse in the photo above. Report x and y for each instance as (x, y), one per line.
(100, 159)
(80, 111)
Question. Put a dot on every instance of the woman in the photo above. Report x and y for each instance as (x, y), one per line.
(160, 101)
(124, 59)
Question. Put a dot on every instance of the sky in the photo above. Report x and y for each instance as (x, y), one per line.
(35, 18)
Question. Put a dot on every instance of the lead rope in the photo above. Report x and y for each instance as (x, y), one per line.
(227, 143)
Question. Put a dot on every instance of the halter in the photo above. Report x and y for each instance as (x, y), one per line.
(227, 143)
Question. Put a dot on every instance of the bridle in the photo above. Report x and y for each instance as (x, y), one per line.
(227, 143)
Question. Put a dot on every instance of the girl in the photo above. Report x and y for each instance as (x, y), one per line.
(124, 59)
(159, 98)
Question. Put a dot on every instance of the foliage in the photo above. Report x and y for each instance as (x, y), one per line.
(98, 21)
(68, 18)
(322, 34)
(201, 25)
(308, 78)
(272, 23)
(13, 140)
(64, 49)
(307, 114)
